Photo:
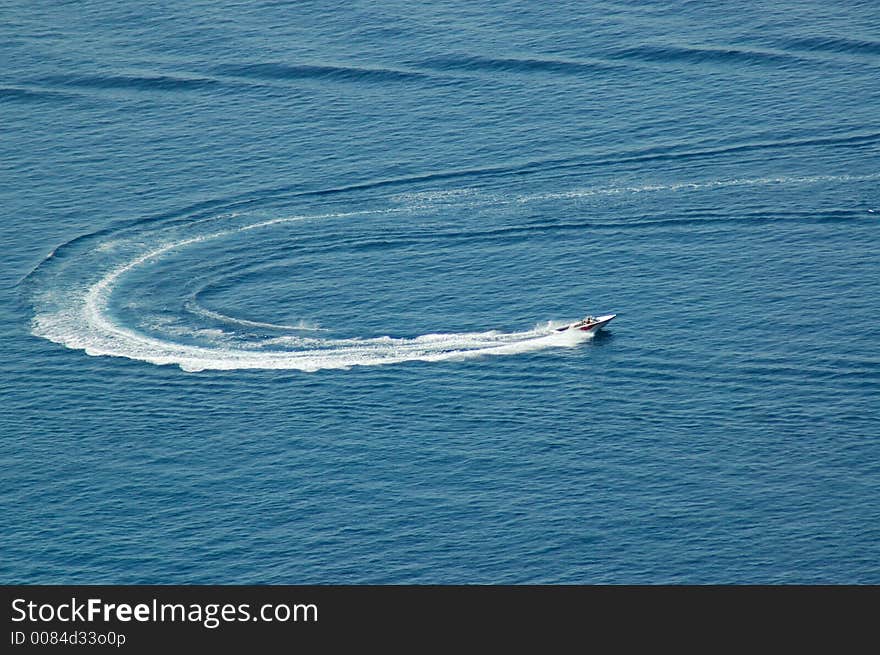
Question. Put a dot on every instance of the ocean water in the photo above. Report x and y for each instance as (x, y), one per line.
(279, 285)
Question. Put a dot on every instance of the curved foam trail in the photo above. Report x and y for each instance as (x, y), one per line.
(103, 337)
(83, 321)
(75, 310)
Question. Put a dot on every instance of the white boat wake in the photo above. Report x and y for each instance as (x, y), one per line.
(77, 296)
(80, 317)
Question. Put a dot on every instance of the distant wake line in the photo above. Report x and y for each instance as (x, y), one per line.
(82, 320)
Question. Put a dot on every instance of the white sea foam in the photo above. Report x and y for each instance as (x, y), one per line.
(87, 327)
(81, 320)
(76, 313)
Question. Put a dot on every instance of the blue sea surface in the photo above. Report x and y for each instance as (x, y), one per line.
(280, 282)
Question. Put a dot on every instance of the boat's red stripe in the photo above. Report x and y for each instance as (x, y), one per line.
(587, 328)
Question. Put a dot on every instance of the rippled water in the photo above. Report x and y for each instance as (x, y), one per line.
(281, 283)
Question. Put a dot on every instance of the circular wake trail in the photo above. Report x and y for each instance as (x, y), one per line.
(74, 287)
(80, 318)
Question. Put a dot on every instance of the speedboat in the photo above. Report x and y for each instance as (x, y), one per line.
(588, 323)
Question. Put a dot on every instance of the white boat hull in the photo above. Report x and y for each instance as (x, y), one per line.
(592, 326)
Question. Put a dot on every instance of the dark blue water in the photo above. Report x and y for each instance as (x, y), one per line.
(280, 282)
